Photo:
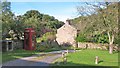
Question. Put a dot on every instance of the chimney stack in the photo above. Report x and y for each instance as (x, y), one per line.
(68, 21)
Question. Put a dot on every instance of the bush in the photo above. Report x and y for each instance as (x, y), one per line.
(47, 46)
(81, 38)
(46, 36)
(101, 38)
(41, 47)
(116, 41)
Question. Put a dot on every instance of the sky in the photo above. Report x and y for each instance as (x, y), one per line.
(62, 0)
(60, 10)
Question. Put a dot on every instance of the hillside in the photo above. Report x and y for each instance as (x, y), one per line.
(104, 20)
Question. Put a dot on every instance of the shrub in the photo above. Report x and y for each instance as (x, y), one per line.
(116, 41)
(46, 36)
(101, 38)
(81, 38)
(47, 46)
(41, 47)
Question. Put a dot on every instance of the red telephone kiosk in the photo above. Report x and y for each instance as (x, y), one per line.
(29, 39)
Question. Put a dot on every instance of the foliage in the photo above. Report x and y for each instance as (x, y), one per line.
(42, 23)
(45, 42)
(101, 38)
(54, 24)
(47, 36)
(33, 13)
(116, 40)
(81, 38)
(7, 18)
(103, 20)
(5, 6)
(41, 47)
(47, 46)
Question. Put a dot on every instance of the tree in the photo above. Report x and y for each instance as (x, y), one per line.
(47, 18)
(54, 24)
(33, 13)
(109, 25)
(7, 19)
(19, 31)
(31, 19)
(40, 22)
(104, 20)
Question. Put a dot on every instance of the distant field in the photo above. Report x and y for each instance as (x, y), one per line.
(87, 58)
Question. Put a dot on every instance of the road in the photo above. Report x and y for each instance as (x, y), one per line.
(28, 61)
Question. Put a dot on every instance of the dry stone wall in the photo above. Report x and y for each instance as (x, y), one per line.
(19, 44)
(96, 46)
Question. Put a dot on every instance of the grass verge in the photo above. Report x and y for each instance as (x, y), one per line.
(7, 56)
(87, 58)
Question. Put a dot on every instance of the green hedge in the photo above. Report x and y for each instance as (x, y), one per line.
(101, 38)
(98, 38)
(81, 38)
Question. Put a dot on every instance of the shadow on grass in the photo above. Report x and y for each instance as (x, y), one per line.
(44, 65)
(23, 63)
(75, 65)
(38, 64)
(33, 64)
(12, 56)
(100, 61)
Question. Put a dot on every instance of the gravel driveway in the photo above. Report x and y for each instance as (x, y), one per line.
(26, 61)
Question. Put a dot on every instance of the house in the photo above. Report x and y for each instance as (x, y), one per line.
(66, 34)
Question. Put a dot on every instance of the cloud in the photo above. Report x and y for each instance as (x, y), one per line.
(17, 14)
(63, 17)
(68, 13)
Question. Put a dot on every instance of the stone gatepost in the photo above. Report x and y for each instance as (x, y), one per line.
(96, 60)
(65, 60)
(67, 51)
(74, 50)
(63, 54)
(64, 57)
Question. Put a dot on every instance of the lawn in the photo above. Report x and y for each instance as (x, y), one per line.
(87, 58)
(6, 56)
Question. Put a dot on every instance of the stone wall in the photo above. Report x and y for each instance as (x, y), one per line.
(19, 44)
(95, 46)
(7, 45)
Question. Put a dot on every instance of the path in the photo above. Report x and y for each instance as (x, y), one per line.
(26, 61)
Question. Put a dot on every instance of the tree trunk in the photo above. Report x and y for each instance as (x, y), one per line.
(110, 48)
(111, 39)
